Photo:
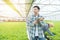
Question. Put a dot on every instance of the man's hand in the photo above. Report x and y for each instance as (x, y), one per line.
(41, 19)
(35, 22)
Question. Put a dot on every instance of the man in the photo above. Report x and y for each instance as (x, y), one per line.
(35, 25)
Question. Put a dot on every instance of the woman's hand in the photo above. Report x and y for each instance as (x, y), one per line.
(50, 24)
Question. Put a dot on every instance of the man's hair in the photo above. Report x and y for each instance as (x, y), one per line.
(37, 7)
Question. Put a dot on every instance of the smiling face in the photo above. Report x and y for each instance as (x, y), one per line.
(36, 9)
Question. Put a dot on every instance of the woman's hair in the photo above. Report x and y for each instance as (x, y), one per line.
(37, 7)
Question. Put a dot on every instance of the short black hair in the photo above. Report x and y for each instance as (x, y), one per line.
(37, 7)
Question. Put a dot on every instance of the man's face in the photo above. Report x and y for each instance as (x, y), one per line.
(35, 10)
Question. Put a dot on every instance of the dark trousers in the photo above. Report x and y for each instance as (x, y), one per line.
(37, 38)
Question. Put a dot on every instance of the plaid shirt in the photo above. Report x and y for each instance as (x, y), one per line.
(34, 30)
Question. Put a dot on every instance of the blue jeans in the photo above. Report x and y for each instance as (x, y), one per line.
(37, 38)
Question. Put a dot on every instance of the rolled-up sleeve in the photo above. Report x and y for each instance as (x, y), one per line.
(43, 23)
